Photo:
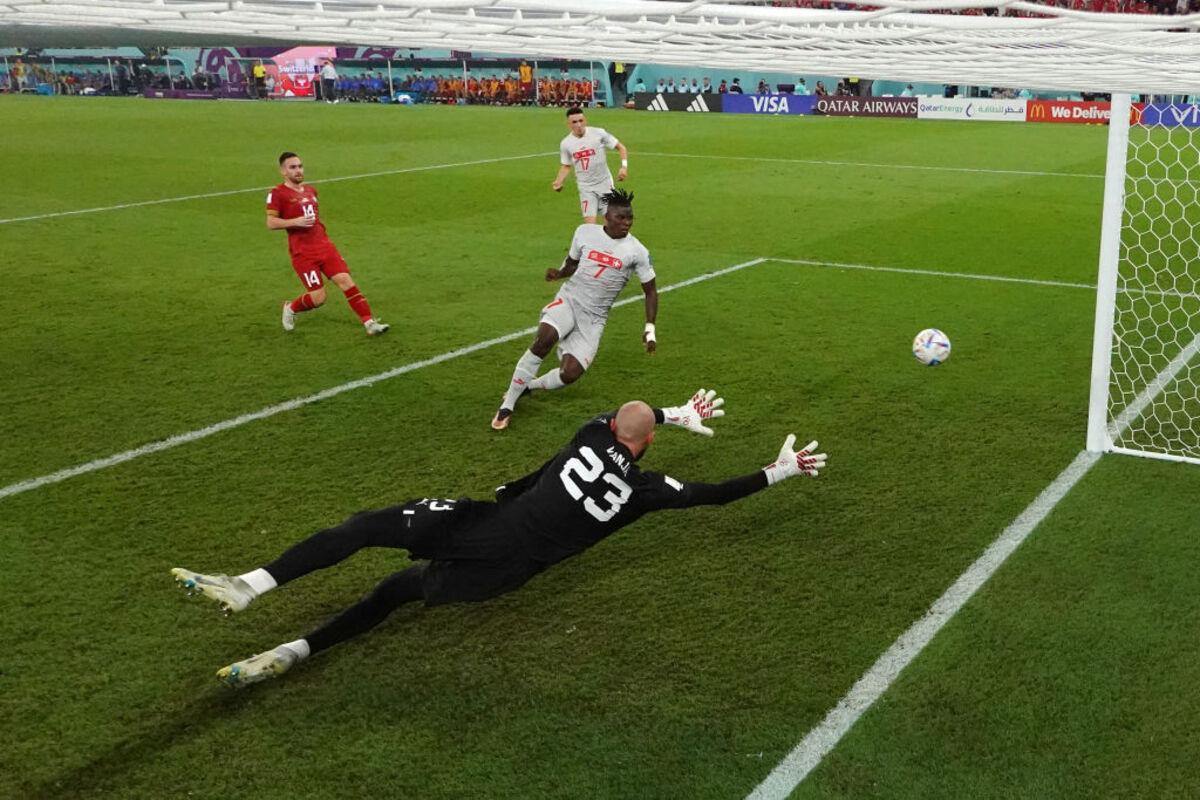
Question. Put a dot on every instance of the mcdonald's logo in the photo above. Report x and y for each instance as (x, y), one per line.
(1037, 111)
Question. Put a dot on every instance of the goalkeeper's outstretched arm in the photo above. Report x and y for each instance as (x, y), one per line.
(679, 494)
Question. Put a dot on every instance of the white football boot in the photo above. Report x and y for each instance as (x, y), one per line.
(258, 668)
(233, 594)
(375, 327)
(289, 316)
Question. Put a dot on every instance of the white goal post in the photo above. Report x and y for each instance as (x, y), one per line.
(1145, 386)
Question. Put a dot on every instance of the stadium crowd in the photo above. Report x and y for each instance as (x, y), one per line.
(520, 87)
(497, 90)
(847, 87)
(119, 77)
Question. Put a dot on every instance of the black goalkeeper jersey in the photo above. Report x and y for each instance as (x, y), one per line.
(592, 488)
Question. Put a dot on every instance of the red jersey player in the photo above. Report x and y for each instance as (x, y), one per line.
(292, 206)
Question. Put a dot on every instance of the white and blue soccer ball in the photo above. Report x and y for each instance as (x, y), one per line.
(931, 347)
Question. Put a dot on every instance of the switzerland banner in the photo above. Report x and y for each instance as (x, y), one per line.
(1071, 111)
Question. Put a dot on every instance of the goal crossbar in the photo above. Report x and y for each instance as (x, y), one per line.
(1055, 48)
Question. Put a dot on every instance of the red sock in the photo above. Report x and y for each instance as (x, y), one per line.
(358, 303)
(303, 303)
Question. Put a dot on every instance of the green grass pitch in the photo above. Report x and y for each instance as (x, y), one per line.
(683, 657)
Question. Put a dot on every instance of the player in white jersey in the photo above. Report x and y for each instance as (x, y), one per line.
(583, 149)
(599, 264)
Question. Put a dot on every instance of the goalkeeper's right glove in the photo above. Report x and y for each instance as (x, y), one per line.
(790, 463)
(691, 415)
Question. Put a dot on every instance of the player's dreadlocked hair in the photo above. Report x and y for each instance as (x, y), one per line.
(619, 197)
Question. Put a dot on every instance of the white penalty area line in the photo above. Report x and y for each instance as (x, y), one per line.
(208, 195)
(797, 765)
(813, 748)
(980, 276)
(878, 165)
(299, 402)
(974, 276)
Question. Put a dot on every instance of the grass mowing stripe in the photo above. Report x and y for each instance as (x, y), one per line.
(875, 165)
(796, 766)
(291, 405)
(804, 758)
(207, 195)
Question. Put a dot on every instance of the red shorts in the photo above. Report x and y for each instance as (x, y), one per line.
(311, 266)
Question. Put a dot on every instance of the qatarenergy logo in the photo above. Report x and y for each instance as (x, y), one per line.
(972, 108)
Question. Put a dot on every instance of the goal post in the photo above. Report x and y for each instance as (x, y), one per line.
(1145, 385)
(1098, 439)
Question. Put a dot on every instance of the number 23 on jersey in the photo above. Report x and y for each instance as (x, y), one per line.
(575, 472)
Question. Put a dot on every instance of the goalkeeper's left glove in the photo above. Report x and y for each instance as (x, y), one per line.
(790, 464)
(691, 414)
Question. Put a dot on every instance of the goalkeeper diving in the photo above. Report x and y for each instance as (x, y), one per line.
(471, 550)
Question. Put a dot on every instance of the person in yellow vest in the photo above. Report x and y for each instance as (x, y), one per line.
(260, 79)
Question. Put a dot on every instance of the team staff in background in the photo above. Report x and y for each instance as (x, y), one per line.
(525, 76)
(599, 263)
(583, 149)
(292, 206)
(329, 78)
(477, 550)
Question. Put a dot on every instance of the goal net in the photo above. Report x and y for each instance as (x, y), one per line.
(1148, 306)
(1016, 43)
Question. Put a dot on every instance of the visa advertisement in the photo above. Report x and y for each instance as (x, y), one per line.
(1169, 115)
(768, 103)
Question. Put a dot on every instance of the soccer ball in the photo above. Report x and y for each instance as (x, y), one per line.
(931, 347)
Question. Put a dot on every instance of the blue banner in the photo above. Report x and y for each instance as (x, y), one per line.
(1171, 115)
(768, 103)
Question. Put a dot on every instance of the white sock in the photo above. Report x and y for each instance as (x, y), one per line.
(550, 381)
(525, 372)
(299, 647)
(259, 581)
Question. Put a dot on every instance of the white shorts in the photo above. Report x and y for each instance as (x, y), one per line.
(591, 201)
(578, 334)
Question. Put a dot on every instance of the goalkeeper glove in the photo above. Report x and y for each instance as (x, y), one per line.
(691, 414)
(791, 463)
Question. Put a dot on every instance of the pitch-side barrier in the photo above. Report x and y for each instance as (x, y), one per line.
(968, 109)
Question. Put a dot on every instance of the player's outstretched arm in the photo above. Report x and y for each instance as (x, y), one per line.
(703, 405)
(623, 172)
(670, 493)
(791, 463)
